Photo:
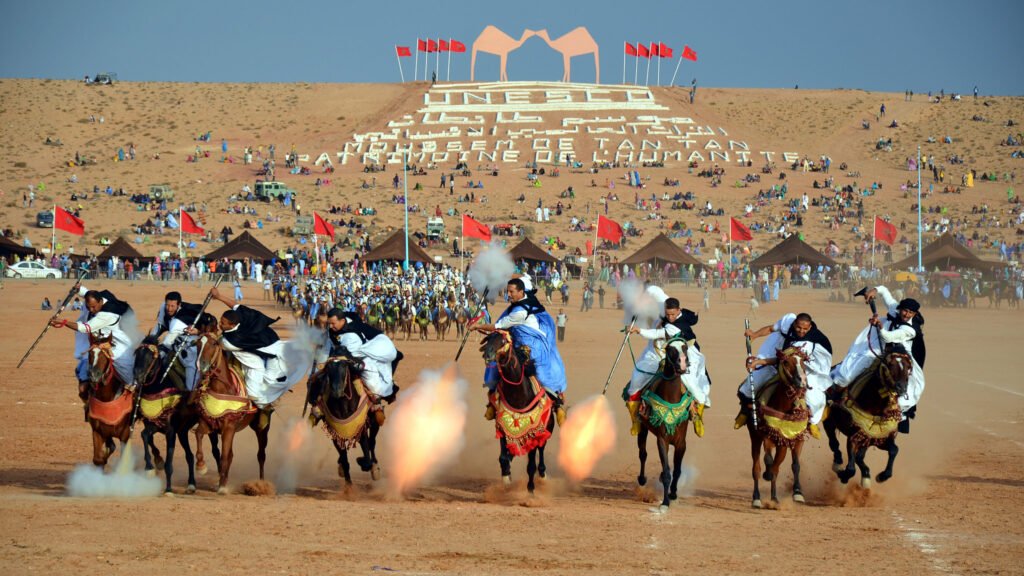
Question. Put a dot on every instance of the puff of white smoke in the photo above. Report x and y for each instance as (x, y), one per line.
(88, 481)
(644, 304)
(491, 270)
(299, 351)
(426, 429)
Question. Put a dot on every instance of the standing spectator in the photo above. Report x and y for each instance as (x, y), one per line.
(238, 290)
(881, 111)
(266, 289)
(560, 324)
(707, 298)
(600, 296)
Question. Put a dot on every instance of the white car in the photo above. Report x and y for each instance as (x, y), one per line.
(32, 269)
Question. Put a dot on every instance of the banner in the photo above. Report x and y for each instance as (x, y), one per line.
(885, 232)
(322, 227)
(431, 46)
(473, 229)
(664, 51)
(609, 229)
(737, 231)
(403, 51)
(421, 46)
(188, 224)
(630, 49)
(456, 46)
(689, 54)
(68, 222)
(442, 46)
(642, 51)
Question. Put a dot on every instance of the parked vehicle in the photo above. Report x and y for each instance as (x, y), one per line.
(161, 192)
(45, 219)
(268, 191)
(32, 269)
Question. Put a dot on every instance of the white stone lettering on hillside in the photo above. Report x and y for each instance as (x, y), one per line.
(552, 122)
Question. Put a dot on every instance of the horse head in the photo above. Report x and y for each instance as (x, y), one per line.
(496, 346)
(341, 371)
(101, 362)
(147, 362)
(791, 367)
(675, 360)
(209, 353)
(895, 370)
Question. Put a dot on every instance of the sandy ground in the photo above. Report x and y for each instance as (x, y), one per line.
(953, 506)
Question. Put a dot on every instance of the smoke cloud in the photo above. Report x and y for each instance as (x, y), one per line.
(88, 481)
(491, 270)
(646, 304)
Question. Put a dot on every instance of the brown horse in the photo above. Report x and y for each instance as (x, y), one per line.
(868, 414)
(163, 408)
(405, 317)
(441, 317)
(524, 412)
(109, 404)
(224, 406)
(665, 412)
(782, 418)
(341, 403)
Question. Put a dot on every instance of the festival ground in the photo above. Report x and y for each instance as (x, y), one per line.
(952, 507)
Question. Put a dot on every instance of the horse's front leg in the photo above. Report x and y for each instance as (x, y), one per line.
(101, 449)
(755, 467)
(641, 445)
(846, 473)
(227, 454)
(344, 468)
(666, 474)
(542, 470)
(190, 460)
(172, 438)
(199, 432)
(798, 494)
(505, 460)
(677, 467)
(893, 450)
(147, 447)
(531, 469)
(865, 472)
(833, 440)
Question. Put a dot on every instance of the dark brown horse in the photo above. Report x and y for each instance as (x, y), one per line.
(442, 319)
(164, 408)
(868, 414)
(665, 412)
(224, 407)
(782, 418)
(342, 405)
(524, 412)
(109, 404)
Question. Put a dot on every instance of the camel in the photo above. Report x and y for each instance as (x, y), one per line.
(576, 42)
(494, 41)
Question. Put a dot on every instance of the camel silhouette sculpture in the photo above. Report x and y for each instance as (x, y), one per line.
(577, 42)
(494, 41)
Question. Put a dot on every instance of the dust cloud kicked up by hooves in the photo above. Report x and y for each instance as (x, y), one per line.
(587, 435)
(425, 432)
(491, 270)
(88, 481)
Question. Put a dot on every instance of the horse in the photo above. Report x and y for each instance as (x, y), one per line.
(782, 418)
(162, 410)
(868, 414)
(375, 316)
(224, 407)
(405, 317)
(665, 412)
(341, 403)
(524, 412)
(423, 321)
(461, 320)
(109, 405)
(391, 315)
(442, 318)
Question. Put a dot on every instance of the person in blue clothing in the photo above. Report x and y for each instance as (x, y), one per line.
(531, 326)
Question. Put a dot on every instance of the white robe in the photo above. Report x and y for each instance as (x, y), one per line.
(862, 354)
(695, 377)
(105, 324)
(188, 354)
(265, 380)
(816, 369)
(377, 355)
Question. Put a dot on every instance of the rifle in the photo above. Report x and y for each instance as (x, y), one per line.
(179, 346)
(619, 355)
(465, 337)
(71, 294)
(750, 379)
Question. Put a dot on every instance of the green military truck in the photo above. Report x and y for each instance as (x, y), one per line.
(267, 191)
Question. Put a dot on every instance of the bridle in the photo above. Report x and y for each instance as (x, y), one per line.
(786, 376)
(151, 374)
(503, 352)
(104, 348)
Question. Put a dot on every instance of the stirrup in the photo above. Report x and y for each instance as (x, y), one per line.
(489, 413)
(741, 420)
(813, 429)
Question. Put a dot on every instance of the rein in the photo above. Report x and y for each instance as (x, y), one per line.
(105, 349)
(505, 348)
(152, 374)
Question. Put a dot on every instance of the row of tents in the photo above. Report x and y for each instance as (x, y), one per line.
(943, 253)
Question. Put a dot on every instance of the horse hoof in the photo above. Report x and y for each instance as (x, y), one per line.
(506, 481)
(158, 462)
(168, 494)
(661, 510)
(756, 504)
(191, 489)
(838, 467)
(865, 483)
(799, 498)
(883, 476)
(767, 476)
(641, 480)
(844, 475)
(673, 496)
(375, 472)
(223, 491)
(201, 469)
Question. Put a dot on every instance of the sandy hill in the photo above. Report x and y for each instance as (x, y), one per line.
(163, 119)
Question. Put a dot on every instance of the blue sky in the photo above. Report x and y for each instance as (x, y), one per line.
(870, 44)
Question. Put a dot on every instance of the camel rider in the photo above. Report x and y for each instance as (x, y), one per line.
(532, 327)
(903, 333)
(172, 321)
(674, 326)
(350, 336)
(105, 317)
(792, 330)
(247, 335)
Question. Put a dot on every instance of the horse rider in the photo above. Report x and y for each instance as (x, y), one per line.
(531, 327)
(792, 330)
(247, 335)
(675, 325)
(350, 336)
(903, 334)
(104, 317)
(173, 319)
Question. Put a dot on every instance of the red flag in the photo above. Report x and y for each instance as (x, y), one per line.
(884, 231)
(322, 227)
(473, 229)
(421, 46)
(689, 54)
(654, 50)
(609, 229)
(403, 51)
(642, 51)
(188, 224)
(431, 46)
(630, 49)
(737, 231)
(664, 51)
(442, 46)
(68, 222)
(457, 46)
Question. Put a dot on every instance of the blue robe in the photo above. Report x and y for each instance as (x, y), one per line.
(548, 366)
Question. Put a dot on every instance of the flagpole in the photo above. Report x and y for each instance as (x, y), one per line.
(462, 237)
(448, 76)
(180, 252)
(647, 79)
(53, 232)
(678, 62)
(920, 268)
(316, 246)
(399, 60)
(624, 44)
(659, 64)
(405, 186)
(437, 57)
(636, 65)
(597, 228)
(874, 227)
(416, 70)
